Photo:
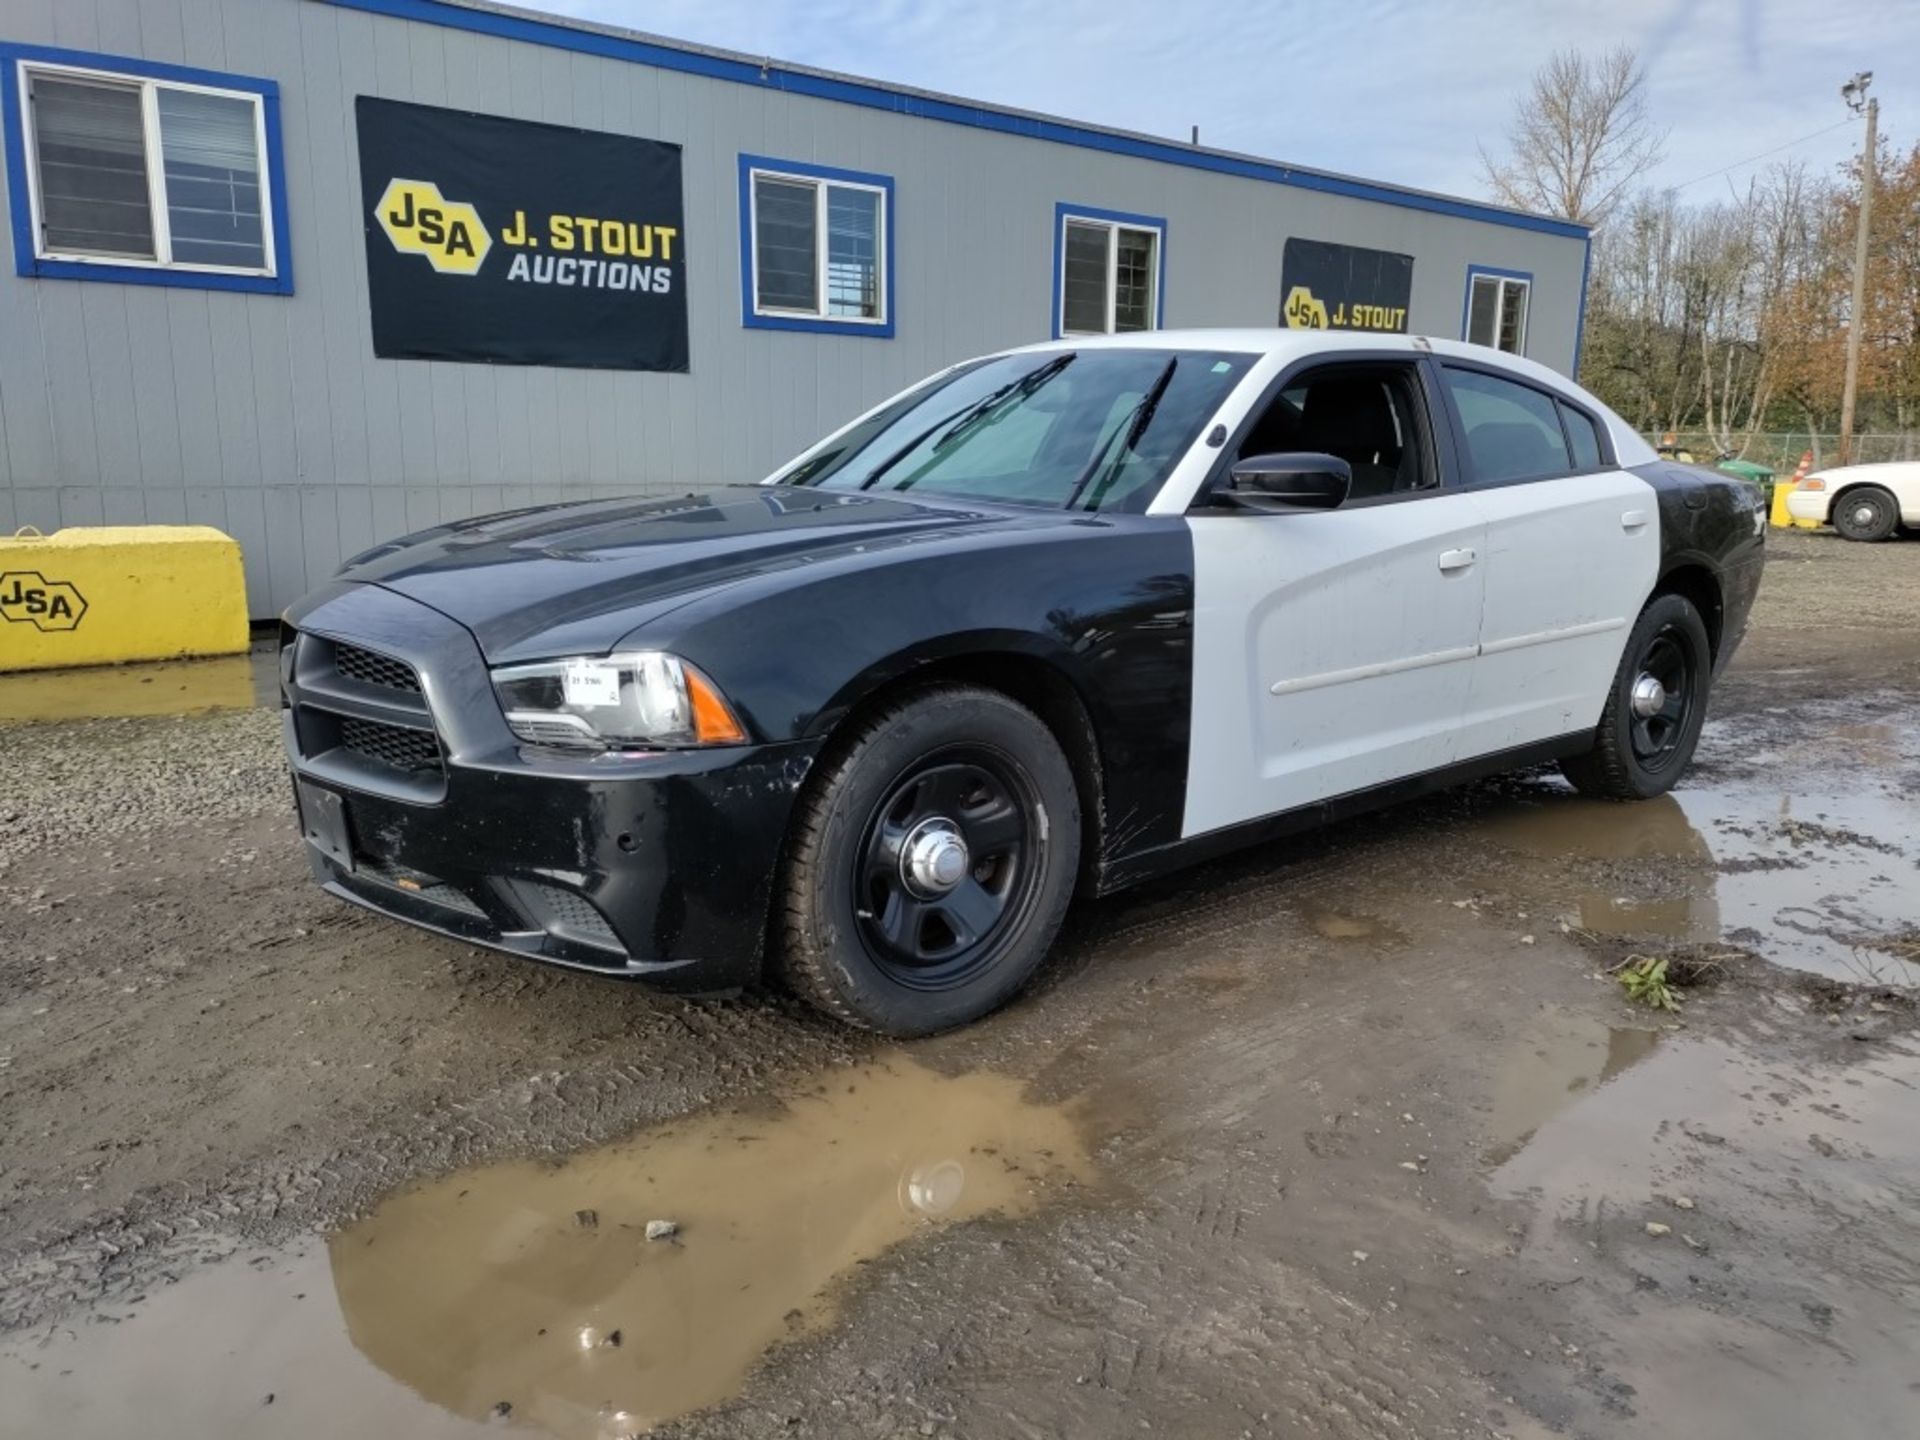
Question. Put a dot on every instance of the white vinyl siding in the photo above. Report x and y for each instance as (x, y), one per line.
(125, 170)
(1497, 312)
(819, 248)
(1109, 278)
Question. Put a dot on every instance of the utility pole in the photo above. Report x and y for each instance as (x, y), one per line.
(1854, 92)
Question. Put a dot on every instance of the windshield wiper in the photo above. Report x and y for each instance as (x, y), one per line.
(973, 414)
(1138, 420)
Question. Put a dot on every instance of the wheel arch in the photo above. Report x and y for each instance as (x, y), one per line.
(1851, 486)
(1695, 580)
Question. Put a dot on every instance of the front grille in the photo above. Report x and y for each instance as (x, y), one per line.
(577, 916)
(394, 745)
(369, 667)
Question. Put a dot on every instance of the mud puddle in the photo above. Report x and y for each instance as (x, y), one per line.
(529, 1294)
(1568, 1056)
(1816, 882)
(1670, 1216)
(168, 687)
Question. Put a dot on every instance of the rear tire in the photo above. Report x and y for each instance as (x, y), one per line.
(1866, 513)
(932, 860)
(1640, 749)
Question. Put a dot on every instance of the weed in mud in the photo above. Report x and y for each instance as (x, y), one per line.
(1904, 946)
(1644, 978)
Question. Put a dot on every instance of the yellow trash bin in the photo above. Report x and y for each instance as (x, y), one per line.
(101, 595)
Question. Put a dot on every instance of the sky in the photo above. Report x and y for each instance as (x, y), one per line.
(1397, 90)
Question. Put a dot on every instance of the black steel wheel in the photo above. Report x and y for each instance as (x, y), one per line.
(1661, 699)
(1652, 719)
(944, 872)
(1866, 512)
(933, 859)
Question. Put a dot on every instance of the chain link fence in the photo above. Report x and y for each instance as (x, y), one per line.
(1780, 450)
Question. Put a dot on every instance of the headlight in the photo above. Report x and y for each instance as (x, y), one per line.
(605, 702)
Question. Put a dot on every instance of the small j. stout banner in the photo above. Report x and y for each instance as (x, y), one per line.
(499, 240)
(1343, 287)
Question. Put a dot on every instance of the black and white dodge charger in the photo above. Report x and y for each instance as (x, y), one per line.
(1050, 623)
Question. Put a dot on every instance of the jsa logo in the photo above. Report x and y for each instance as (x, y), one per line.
(1303, 311)
(419, 220)
(28, 597)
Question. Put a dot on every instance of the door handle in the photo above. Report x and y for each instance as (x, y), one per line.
(1456, 559)
(1633, 520)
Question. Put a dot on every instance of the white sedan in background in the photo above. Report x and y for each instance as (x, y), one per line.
(1862, 502)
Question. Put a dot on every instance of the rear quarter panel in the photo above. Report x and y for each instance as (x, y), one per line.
(1717, 523)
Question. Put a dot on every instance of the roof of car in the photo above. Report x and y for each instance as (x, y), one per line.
(1275, 339)
(1288, 344)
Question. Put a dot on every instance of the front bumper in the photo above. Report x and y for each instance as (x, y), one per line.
(1803, 504)
(656, 867)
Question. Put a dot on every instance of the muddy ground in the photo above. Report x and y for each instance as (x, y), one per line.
(1352, 1136)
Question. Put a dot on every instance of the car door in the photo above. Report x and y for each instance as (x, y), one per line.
(1333, 648)
(1572, 551)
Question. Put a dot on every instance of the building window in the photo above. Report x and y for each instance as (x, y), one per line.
(1497, 309)
(127, 171)
(816, 248)
(1108, 271)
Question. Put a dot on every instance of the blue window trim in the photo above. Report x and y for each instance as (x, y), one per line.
(26, 257)
(765, 75)
(1062, 210)
(821, 324)
(1474, 272)
(1580, 320)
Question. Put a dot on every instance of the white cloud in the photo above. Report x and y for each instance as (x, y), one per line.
(1400, 90)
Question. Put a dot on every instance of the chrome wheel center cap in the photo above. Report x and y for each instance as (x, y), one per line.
(934, 859)
(1649, 696)
(1864, 515)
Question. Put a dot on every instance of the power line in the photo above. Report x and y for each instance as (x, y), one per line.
(1765, 154)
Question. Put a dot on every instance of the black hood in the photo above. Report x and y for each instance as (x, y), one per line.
(578, 577)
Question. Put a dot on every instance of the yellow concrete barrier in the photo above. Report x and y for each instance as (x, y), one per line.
(107, 594)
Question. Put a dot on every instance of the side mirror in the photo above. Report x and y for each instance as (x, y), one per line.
(1303, 480)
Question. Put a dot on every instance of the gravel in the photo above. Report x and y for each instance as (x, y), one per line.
(82, 783)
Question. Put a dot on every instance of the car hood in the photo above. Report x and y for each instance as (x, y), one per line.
(577, 578)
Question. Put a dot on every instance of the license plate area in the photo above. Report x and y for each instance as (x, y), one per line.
(323, 820)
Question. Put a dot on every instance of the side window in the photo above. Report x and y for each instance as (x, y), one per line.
(1583, 437)
(1368, 415)
(1512, 430)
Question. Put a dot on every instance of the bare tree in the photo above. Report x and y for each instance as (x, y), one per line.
(1579, 138)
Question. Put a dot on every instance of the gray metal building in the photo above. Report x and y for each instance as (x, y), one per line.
(187, 331)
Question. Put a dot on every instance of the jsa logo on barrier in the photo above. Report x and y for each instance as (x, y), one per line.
(29, 598)
(419, 220)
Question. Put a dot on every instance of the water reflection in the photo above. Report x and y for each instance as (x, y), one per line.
(169, 687)
(1807, 882)
(529, 1291)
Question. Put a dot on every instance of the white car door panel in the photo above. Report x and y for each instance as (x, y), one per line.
(1333, 651)
(1568, 564)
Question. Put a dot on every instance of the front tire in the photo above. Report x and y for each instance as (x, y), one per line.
(1866, 513)
(932, 862)
(1655, 709)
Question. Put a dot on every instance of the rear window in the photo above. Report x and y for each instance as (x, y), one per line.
(1513, 431)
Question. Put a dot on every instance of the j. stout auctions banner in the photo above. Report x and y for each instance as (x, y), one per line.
(521, 244)
(1343, 287)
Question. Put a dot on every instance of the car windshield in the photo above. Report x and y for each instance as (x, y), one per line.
(1081, 429)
